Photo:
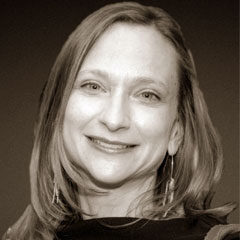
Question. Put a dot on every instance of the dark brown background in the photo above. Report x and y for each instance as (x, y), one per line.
(31, 36)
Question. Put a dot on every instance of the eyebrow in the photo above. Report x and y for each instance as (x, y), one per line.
(137, 79)
(96, 72)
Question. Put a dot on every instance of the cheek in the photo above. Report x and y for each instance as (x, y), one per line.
(153, 124)
(80, 110)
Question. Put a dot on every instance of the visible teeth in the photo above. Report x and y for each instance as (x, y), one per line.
(108, 145)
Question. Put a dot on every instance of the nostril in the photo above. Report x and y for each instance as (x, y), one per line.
(115, 125)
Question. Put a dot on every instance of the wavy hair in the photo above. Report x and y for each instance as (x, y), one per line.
(198, 162)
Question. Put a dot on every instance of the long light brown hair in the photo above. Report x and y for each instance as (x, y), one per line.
(198, 162)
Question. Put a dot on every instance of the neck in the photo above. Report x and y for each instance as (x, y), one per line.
(122, 201)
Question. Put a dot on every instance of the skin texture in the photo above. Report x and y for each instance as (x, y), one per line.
(126, 91)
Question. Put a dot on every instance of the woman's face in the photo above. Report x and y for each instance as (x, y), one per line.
(120, 117)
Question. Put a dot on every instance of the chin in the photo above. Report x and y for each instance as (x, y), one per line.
(109, 181)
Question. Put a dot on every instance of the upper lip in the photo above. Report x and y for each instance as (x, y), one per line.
(111, 141)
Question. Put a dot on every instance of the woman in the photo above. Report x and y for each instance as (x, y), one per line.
(124, 147)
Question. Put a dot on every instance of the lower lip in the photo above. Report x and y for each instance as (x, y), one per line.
(110, 150)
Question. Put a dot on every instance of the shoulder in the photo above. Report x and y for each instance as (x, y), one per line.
(191, 228)
(224, 232)
(219, 228)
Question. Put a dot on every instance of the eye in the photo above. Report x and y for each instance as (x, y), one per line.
(92, 87)
(148, 96)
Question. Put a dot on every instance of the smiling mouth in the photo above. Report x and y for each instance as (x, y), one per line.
(110, 146)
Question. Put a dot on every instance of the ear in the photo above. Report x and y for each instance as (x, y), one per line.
(176, 137)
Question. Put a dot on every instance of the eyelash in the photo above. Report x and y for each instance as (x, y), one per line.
(152, 95)
(90, 85)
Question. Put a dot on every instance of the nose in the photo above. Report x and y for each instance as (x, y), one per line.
(115, 115)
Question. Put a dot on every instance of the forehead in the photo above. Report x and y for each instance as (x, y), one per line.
(129, 50)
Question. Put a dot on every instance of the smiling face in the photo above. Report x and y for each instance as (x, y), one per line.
(120, 118)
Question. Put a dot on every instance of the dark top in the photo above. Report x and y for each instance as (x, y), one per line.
(175, 229)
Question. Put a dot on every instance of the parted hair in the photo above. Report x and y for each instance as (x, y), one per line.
(197, 163)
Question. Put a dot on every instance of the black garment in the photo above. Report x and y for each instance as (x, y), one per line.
(174, 229)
